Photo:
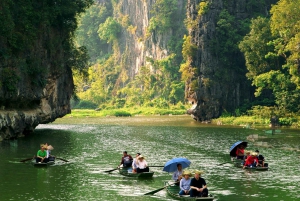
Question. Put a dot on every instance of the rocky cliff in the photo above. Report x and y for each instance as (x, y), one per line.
(36, 57)
(220, 77)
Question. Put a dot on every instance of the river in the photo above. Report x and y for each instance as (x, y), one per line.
(93, 145)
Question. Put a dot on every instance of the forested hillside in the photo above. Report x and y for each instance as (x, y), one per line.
(222, 56)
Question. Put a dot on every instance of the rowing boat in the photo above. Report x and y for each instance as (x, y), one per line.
(173, 191)
(128, 173)
(39, 164)
(239, 163)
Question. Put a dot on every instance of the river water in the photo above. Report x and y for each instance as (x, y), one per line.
(93, 145)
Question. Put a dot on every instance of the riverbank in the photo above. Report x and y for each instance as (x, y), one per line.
(244, 121)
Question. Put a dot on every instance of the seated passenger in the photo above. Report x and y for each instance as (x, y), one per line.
(142, 165)
(185, 183)
(177, 175)
(41, 156)
(198, 186)
(134, 163)
(240, 152)
(251, 161)
(261, 160)
(246, 156)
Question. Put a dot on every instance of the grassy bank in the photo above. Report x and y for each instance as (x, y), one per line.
(254, 121)
(124, 112)
(246, 121)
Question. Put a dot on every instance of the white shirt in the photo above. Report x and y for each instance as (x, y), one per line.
(142, 164)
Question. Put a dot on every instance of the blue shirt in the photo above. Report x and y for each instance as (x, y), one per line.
(185, 184)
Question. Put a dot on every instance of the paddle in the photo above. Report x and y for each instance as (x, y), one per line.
(111, 170)
(27, 159)
(118, 168)
(63, 159)
(155, 191)
(222, 163)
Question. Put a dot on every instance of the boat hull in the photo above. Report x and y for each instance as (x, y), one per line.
(239, 164)
(128, 173)
(173, 191)
(34, 163)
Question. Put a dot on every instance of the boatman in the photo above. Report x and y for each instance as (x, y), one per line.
(126, 160)
(177, 175)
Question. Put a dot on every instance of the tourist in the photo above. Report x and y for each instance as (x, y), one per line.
(177, 175)
(261, 160)
(240, 152)
(126, 160)
(246, 156)
(142, 164)
(198, 186)
(185, 183)
(41, 156)
(251, 161)
(134, 163)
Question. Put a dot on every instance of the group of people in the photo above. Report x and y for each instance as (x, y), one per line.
(138, 164)
(195, 187)
(251, 159)
(44, 154)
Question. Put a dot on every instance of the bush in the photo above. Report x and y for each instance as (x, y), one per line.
(84, 104)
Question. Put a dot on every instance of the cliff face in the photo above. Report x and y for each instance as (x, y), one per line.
(22, 110)
(138, 43)
(36, 57)
(216, 93)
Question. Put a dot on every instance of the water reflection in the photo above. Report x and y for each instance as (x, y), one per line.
(96, 145)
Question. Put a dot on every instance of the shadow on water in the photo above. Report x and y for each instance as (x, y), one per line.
(94, 145)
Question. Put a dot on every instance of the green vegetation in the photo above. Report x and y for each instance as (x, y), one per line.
(266, 43)
(36, 37)
(272, 56)
(125, 112)
(110, 83)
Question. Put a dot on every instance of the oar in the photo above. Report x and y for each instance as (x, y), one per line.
(111, 170)
(27, 159)
(222, 163)
(155, 191)
(63, 159)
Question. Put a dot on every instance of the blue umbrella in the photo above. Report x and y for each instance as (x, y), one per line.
(235, 145)
(171, 165)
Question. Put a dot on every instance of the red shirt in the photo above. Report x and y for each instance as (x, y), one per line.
(239, 152)
(250, 160)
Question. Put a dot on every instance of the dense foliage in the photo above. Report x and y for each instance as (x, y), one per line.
(34, 32)
(109, 84)
(267, 42)
(272, 56)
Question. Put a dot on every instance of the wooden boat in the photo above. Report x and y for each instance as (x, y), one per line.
(239, 163)
(34, 163)
(173, 191)
(128, 173)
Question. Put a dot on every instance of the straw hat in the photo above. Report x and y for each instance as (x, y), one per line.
(186, 172)
(198, 172)
(247, 152)
(141, 157)
(253, 154)
(50, 147)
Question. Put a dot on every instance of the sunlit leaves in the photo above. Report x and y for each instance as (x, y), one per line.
(109, 30)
